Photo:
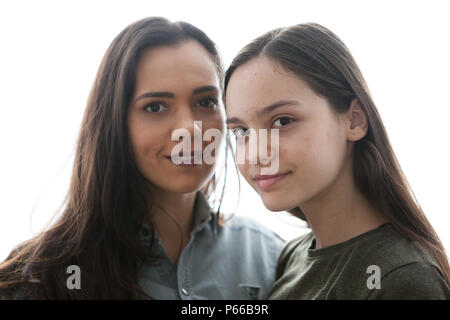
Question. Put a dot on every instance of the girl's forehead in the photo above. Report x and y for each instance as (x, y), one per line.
(261, 82)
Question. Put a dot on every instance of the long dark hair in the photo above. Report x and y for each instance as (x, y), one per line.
(108, 198)
(319, 57)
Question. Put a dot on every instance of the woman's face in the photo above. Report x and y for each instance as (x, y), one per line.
(175, 86)
(312, 137)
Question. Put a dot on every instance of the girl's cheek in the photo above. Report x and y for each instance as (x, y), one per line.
(293, 148)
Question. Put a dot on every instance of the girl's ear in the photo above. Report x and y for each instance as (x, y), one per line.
(357, 124)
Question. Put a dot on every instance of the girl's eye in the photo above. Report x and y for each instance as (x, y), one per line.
(209, 103)
(283, 121)
(155, 107)
(240, 132)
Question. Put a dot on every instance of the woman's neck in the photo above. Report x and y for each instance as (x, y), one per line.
(340, 212)
(172, 216)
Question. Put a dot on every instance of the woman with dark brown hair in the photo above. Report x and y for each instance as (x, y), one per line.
(336, 170)
(136, 222)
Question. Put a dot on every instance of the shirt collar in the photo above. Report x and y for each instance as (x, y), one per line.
(201, 215)
(202, 211)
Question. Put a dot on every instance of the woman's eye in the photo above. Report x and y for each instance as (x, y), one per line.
(239, 132)
(283, 121)
(209, 103)
(155, 107)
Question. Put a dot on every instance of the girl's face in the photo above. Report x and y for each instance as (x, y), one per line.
(312, 137)
(175, 86)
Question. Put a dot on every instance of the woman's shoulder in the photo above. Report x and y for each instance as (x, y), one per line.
(242, 228)
(19, 292)
(239, 223)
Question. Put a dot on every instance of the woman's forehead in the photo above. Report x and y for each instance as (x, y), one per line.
(168, 67)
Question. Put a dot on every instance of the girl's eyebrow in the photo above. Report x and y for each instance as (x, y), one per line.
(165, 94)
(267, 109)
(276, 105)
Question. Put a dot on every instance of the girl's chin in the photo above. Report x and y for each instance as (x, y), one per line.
(275, 205)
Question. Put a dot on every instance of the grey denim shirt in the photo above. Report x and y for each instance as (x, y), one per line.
(234, 261)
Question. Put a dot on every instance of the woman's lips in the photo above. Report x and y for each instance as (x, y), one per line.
(265, 182)
(187, 160)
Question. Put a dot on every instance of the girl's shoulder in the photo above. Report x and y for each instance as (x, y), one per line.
(407, 270)
(300, 243)
(395, 250)
(418, 280)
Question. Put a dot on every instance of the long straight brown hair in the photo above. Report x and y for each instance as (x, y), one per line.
(319, 57)
(108, 197)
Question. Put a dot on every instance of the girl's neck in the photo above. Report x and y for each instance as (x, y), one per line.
(340, 212)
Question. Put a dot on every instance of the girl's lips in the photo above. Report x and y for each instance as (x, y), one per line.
(266, 182)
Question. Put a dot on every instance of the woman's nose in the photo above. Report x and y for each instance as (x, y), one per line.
(187, 121)
(187, 127)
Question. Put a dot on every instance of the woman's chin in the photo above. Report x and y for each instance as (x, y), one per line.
(181, 186)
(186, 188)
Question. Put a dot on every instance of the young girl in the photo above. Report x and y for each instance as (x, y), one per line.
(137, 224)
(336, 170)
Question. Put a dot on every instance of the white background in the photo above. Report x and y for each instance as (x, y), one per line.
(50, 52)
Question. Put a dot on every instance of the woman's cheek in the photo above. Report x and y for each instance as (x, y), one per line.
(242, 168)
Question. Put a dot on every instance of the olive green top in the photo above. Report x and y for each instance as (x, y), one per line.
(379, 264)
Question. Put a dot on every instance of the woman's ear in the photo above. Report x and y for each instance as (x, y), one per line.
(357, 124)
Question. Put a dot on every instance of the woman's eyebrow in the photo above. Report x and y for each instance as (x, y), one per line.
(267, 109)
(158, 94)
(204, 89)
(166, 94)
(233, 120)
